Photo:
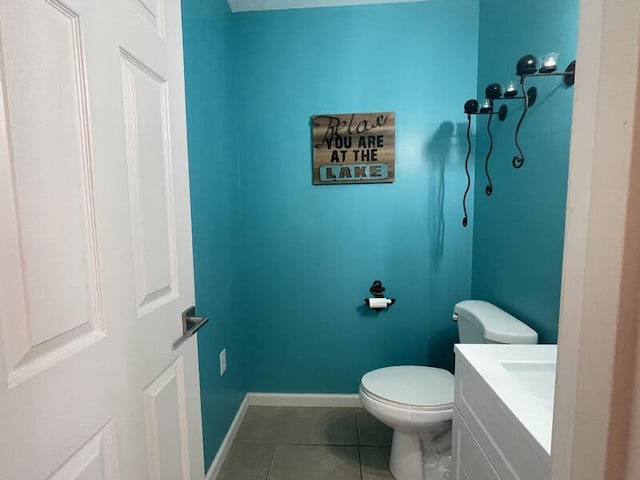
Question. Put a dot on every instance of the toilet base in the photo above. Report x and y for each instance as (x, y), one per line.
(422, 457)
(405, 462)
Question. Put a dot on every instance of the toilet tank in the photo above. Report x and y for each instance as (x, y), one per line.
(483, 322)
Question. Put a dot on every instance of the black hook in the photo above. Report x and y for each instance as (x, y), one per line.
(489, 188)
(465, 220)
(529, 98)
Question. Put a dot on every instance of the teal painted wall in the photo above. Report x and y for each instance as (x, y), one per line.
(215, 209)
(310, 253)
(519, 231)
(282, 266)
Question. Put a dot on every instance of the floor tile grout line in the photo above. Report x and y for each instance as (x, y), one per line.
(265, 442)
(305, 444)
(273, 456)
(355, 417)
(274, 446)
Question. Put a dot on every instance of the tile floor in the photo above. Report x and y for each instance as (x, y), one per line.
(287, 443)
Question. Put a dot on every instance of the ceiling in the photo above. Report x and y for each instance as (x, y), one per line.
(254, 5)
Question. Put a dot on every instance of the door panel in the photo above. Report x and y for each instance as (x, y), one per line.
(95, 460)
(152, 12)
(55, 385)
(52, 254)
(95, 244)
(166, 416)
(150, 184)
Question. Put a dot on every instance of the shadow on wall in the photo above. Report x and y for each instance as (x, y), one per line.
(440, 348)
(438, 155)
(365, 312)
(447, 145)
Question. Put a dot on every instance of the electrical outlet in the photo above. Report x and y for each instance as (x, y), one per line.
(223, 361)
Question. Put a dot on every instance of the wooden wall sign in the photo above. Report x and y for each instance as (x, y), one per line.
(354, 148)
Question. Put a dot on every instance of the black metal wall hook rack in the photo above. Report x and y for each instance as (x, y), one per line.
(501, 113)
(569, 74)
(472, 108)
(529, 100)
(532, 96)
(525, 68)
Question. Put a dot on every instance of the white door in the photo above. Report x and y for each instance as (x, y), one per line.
(95, 244)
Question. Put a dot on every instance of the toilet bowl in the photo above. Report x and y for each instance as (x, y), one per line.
(417, 402)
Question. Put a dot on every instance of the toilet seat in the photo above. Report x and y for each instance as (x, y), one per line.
(410, 387)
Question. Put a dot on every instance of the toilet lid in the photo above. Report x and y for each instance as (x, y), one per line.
(411, 385)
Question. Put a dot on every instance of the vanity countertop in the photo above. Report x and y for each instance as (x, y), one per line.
(523, 378)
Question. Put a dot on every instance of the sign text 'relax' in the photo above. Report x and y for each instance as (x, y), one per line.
(354, 148)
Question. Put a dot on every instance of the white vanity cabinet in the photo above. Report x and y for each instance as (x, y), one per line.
(469, 461)
(490, 441)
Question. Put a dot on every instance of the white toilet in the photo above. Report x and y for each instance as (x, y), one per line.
(417, 402)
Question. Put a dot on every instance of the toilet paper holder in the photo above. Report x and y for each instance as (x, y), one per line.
(377, 290)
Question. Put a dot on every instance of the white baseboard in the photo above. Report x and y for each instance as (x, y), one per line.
(223, 451)
(335, 400)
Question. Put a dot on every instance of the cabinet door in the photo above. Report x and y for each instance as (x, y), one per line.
(469, 461)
